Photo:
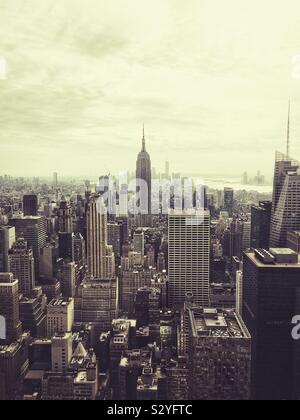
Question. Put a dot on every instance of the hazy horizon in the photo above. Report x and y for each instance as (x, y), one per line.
(210, 79)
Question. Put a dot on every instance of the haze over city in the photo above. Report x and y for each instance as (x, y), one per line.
(211, 81)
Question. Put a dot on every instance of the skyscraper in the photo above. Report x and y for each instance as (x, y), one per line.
(219, 350)
(7, 239)
(143, 172)
(286, 200)
(96, 238)
(60, 316)
(9, 306)
(30, 205)
(139, 242)
(261, 224)
(21, 264)
(189, 256)
(34, 230)
(229, 200)
(271, 283)
(65, 218)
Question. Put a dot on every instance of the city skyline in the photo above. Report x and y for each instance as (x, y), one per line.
(78, 88)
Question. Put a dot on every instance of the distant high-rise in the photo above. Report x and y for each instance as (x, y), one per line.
(286, 200)
(189, 256)
(229, 200)
(21, 264)
(55, 180)
(139, 242)
(261, 224)
(66, 245)
(271, 284)
(65, 218)
(30, 205)
(143, 171)
(9, 306)
(7, 239)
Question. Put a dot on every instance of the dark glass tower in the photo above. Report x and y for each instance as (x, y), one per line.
(260, 225)
(270, 300)
(30, 205)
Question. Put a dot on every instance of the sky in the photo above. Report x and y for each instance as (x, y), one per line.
(210, 79)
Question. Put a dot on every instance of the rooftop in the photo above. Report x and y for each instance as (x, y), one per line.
(216, 323)
(275, 258)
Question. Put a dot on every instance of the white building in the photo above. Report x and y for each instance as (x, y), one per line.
(189, 256)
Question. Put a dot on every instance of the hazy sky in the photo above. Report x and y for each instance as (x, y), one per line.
(210, 78)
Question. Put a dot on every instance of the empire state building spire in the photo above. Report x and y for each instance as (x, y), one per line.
(144, 140)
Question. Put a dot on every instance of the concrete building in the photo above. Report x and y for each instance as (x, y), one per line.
(7, 239)
(60, 316)
(21, 264)
(218, 346)
(189, 257)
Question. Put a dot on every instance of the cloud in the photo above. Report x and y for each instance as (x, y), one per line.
(210, 79)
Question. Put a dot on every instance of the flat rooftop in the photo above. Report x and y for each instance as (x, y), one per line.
(277, 263)
(60, 302)
(216, 323)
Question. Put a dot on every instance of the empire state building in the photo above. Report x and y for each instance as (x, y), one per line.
(143, 169)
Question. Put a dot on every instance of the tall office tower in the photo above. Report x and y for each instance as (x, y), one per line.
(178, 380)
(219, 353)
(61, 351)
(130, 368)
(143, 172)
(65, 218)
(131, 280)
(66, 245)
(96, 237)
(79, 250)
(261, 225)
(286, 200)
(48, 256)
(30, 205)
(150, 257)
(55, 180)
(33, 312)
(9, 307)
(60, 316)
(114, 238)
(189, 256)
(21, 264)
(245, 235)
(139, 242)
(294, 241)
(68, 279)
(270, 301)
(97, 303)
(229, 200)
(109, 263)
(34, 230)
(147, 307)
(167, 170)
(7, 239)
(123, 339)
(161, 262)
(239, 293)
(13, 367)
